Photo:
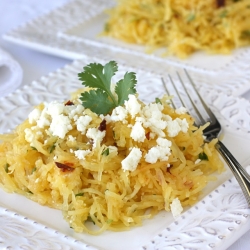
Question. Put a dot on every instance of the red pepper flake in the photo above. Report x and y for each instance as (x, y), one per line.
(102, 126)
(148, 135)
(64, 167)
(189, 184)
(220, 3)
(69, 103)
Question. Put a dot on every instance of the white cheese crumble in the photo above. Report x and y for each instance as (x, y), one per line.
(138, 132)
(71, 138)
(29, 136)
(177, 125)
(82, 122)
(96, 135)
(81, 154)
(153, 118)
(77, 110)
(131, 161)
(60, 126)
(119, 114)
(160, 152)
(176, 207)
(113, 150)
(197, 161)
(181, 111)
(132, 105)
(34, 116)
(55, 108)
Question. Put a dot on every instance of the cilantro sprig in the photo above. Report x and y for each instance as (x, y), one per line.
(100, 98)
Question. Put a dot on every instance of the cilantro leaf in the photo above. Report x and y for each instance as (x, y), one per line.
(100, 99)
(98, 76)
(97, 101)
(125, 87)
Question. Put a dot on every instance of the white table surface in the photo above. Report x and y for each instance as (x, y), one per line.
(36, 64)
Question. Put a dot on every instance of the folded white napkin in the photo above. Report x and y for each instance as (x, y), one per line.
(11, 73)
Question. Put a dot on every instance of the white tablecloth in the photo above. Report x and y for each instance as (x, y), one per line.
(35, 64)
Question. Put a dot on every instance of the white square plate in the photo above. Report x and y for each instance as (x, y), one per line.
(219, 219)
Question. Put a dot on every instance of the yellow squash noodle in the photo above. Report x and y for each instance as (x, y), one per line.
(182, 26)
(46, 168)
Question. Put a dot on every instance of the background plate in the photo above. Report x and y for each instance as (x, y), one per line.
(72, 31)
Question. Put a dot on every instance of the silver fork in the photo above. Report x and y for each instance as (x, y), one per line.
(202, 114)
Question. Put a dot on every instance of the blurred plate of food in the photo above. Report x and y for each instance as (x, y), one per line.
(210, 37)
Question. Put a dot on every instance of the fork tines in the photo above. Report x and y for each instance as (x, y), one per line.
(186, 95)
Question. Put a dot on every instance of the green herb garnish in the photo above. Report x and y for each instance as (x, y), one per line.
(33, 170)
(245, 34)
(100, 99)
(90, 219)
(79, 194)
(157, 100)
(33, 148)
(6, 167)
(52, 148)
(105, 152)
(107, 27)
(109, 221)
(203, 156)
(190, 17)
(223, 14)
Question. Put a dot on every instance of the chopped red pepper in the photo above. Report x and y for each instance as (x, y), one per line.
(220, 3)
(64, 167)
(102, 125)
(148, 135)
(69, 103)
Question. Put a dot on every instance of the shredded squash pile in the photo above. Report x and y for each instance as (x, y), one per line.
(182, 26)
(114, 170)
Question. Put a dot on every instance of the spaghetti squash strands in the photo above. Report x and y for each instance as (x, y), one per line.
(181, 26)
(79, 170)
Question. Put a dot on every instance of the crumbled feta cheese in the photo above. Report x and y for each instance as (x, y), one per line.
(173, 128)
(55, 108)
(153, 118)
(177, 125)
(176, 207)
(119, 114)
(34, 116)
(167, 118)
(81, 154)
(113, 150)
(183, 124)
(75, 111)
(132, 105)
(160, 152)
(82, 123)
(96, 135)
(44, 120)
(138, 132)
(60, 126)
(71, 138)
(181, 111)
(131, 161)
(197, 161)
(29, 136)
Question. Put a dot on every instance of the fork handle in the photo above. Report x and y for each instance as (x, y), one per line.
(239, 172)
